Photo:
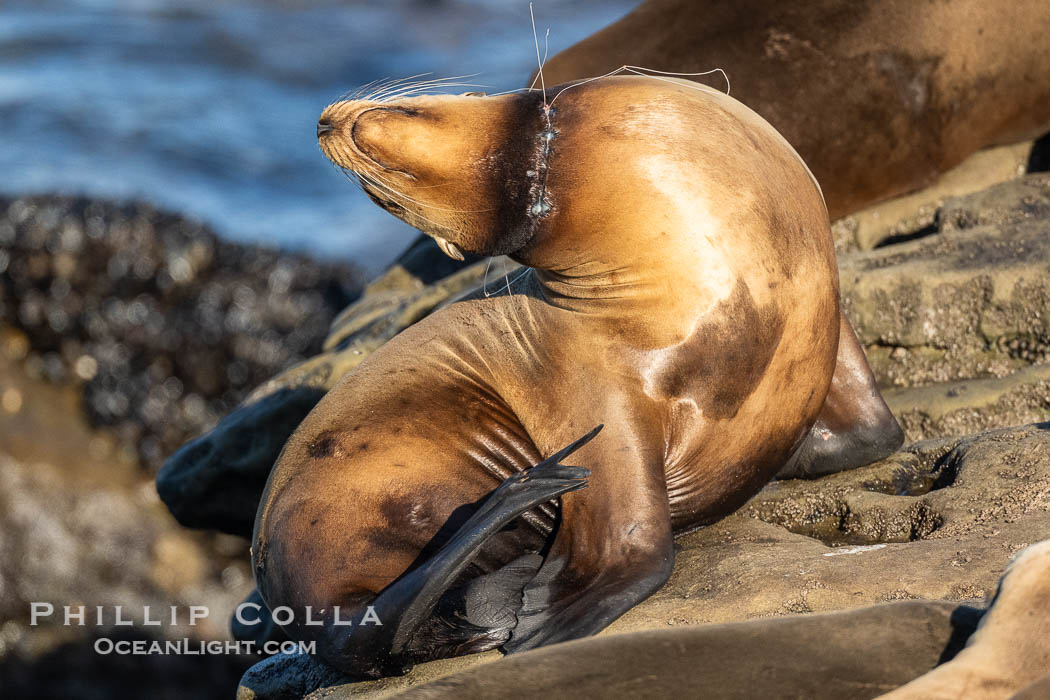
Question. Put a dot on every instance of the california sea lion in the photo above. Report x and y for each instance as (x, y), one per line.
(683, 293)
(879, 97)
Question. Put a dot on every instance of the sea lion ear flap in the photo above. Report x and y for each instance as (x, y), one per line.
(474, 94)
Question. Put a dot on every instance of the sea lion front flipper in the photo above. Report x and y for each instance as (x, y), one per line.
(855, 426)
(389, 648)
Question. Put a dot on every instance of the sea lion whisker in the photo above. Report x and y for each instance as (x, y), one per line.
(610, 74)
(393, 90)
(539, 61)
(463, 76)
(404, 90)
(648, 72)
(368, 91)
(406, 199)
(429, 89)
(428, 85)
(532, 85)
(355, 93)
(637, 70)
(510, 92)
(485, 278)
(699, 86)
(434, 186)
(506, 276)
(438, 86)
(433, 81)
(376, 93)
(393, 195)
(391, 84)
(352, 176)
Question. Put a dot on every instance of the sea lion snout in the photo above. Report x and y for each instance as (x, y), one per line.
(367, 136)
(335, 133)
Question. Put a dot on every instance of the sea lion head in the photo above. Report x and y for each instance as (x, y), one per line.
(464, 169)
(560, 178)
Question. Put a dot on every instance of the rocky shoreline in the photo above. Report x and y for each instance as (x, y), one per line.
(167, 326)
(125, 331)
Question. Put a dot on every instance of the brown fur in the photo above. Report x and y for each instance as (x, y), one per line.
(878, 96)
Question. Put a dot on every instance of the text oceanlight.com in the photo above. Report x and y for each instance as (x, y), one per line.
(195, 647)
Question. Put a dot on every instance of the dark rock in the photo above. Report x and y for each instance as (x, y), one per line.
(167, 326)
(215, 481)
(287, 677)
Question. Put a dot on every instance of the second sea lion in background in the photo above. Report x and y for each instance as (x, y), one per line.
(879, 97)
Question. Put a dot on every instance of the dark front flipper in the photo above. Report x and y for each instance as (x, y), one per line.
(405, 605)
(855, 426)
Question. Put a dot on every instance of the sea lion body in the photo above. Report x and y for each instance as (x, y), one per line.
(879, 97)
(683, 294)
(1009, 653)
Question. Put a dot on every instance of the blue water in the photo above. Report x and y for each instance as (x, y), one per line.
(209, 108)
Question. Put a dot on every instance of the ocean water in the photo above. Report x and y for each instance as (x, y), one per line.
(209, 107)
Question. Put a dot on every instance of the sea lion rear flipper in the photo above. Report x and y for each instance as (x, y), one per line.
(407, 603)
(855, 426)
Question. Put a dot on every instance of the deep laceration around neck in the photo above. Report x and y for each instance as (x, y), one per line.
(540, 204)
